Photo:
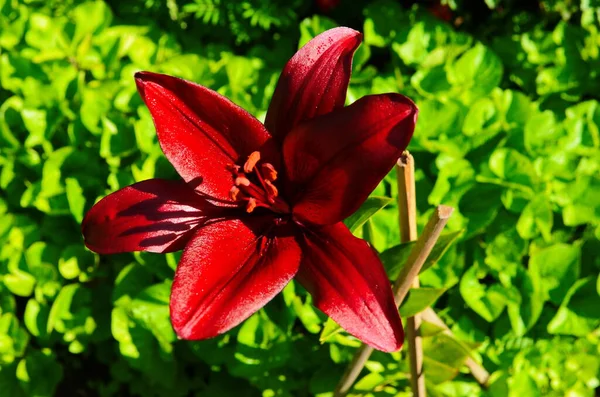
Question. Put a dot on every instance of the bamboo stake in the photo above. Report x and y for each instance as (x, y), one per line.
(414, 263)
(481, 375)
(407, 208)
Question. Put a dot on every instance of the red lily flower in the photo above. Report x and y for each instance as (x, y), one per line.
(261, 204)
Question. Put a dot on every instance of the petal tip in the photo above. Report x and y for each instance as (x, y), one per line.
(392, 346)
(141, 75)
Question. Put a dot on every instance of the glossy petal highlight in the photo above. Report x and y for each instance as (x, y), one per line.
(201, 131)
(348, 283)
(156, 215)
(334, 162)
(314, 81)
(228, 271)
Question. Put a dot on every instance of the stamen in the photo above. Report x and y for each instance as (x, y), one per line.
(252, 160)
(258, 190)
(251, 204)
(233, 168)
(242, 181)
(271, 189)
(269, 171)
(233, 193)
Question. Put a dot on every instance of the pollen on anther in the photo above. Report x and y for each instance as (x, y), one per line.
(233, 193)
(269, 172)
(252, 160)
(251, 204)
(271, 189)
(242, 181)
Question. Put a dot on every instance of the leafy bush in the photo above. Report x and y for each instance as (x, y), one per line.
(508, 134)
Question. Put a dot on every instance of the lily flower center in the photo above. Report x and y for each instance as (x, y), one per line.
(253, 185)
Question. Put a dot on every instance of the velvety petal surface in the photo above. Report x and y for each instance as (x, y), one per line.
(348, 283)
(335, 161)
(314, 81)
(228, 271)
(201, 131)
(156, 215)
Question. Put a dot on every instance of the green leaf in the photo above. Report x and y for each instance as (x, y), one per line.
(512, 166)
(39, 374)
(90, 17)
(369, 208)
(579, 313)
(19, 282)
(480, 205)
(36, 318)
(487, 301)
(312, 27)
(542, 133)
(477, 72)
(444, 356)
(555, 269)
(523, 385)
(382, 22)
(395, 258)
(61, 306)
(419, 299)
(537, 217)
(330, 329)
(74, 260)
(525, 312)
(75, 198)
(150, 308)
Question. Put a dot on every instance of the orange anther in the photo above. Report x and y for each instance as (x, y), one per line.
(271, 189)
(252, 160)
(251, 205)
(242, 181)
(269, 172)
(233, 193)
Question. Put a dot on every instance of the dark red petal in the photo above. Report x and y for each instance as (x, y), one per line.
(334, 161)
(200, 131)
(156, 215)
(314, 81)
(228, 271)
(348, 283)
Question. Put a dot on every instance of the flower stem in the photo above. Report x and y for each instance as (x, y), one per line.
(407, 208)
(411, 268)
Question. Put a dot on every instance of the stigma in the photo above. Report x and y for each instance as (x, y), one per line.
(253, 185)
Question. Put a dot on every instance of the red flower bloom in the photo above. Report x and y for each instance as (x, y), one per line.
(261, 204)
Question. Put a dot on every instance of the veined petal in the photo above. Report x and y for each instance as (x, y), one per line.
(228, 271)
(334, 162)
(201, 131)
(348, 282)
(314, 81)
(156, 215)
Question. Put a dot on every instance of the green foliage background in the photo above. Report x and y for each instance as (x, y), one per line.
(508, 134)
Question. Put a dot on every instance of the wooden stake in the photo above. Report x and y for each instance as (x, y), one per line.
(412, 267)
(407, 208)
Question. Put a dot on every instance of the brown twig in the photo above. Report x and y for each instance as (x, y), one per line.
(412, 267)
(407, 208)
(480, 374)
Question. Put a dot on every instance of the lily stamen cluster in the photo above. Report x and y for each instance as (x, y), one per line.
(264, 194)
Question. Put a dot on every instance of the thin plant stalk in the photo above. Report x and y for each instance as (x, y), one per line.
(407, 208)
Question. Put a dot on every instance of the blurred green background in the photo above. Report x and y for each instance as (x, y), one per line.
(508, 134)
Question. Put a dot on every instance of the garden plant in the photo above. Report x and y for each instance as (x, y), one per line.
(213, 198)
